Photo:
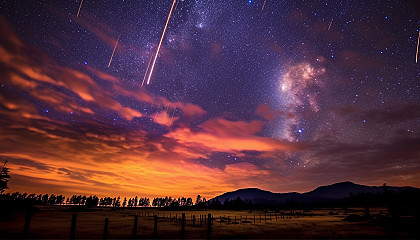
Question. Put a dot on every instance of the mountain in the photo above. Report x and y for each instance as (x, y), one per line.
(257, 195)
(332, 192)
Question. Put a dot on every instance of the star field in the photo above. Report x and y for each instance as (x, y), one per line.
(283, 97)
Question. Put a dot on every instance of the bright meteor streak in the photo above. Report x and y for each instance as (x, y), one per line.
(330, 24)
(160, 42)
(147, 69)
(115, 47)
(417, 53)
(80, 6)
(263, 5)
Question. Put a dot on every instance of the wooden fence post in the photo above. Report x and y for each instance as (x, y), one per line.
(73, 226)
(105, 236)
(27, 224)
(209, 226)
(136, 219)
(183, 226)
(155, 227)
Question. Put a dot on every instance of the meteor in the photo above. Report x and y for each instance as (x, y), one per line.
(417, 53)
(166, 113)
(173, 113)
(176, 6)
(263, 5)
(115, 47)
(160, 42)
(80, 6)
(147, 69)
(330, 24)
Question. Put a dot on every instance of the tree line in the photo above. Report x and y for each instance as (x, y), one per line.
(46, 199)
(91, 201)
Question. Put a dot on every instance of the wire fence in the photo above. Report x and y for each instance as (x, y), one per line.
(124, 223)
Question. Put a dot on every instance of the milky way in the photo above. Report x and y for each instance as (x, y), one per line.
(280, 95)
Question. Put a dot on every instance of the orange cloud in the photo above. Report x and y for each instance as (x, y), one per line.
(31, 75)
(237, 136)
(164, 118)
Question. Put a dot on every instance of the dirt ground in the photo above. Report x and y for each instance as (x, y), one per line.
(55, 222)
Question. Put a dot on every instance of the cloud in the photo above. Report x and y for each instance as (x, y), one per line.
(165, 118)
(44, 78)
(267, 113)
(74, 149)
(237, 136)
(78, 148)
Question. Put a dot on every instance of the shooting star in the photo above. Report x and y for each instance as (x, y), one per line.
(166, 113)
(115, 47)
(80, 6)
(147, 69)
(160, 42)
(263, 5)
(417, 53)
(173, 113)
(176, 6)
(330, 24)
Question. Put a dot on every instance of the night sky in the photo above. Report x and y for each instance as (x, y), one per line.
(279, 95)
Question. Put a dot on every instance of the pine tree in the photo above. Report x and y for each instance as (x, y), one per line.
(4, 177)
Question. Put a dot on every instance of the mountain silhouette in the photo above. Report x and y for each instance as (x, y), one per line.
(332, 192)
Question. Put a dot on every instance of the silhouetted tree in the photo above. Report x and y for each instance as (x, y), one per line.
(117, 203)
(52, 199)
(60, 199)
(4, 177)
(144, 202)
(174, 203)
(215, 204)
(44, 199)
(92, 201)
(198, 200)
(189, 202)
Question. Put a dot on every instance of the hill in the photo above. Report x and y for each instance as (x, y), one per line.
(334, 192)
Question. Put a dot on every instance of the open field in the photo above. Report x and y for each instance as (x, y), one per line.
(55, 222)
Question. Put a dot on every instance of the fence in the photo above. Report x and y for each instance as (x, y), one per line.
(142, 224)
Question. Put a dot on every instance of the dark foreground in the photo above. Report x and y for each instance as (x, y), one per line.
(64, 222)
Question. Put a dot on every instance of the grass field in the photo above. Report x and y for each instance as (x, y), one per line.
(55, 222)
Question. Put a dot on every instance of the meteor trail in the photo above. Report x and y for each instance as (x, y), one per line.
(176, 6)
(147, 69)
(263, 5)
(417, 53)
(330, 24)
(115, 47)
(173, 113)
(166, 113)
(160, 42)
(80, 6)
